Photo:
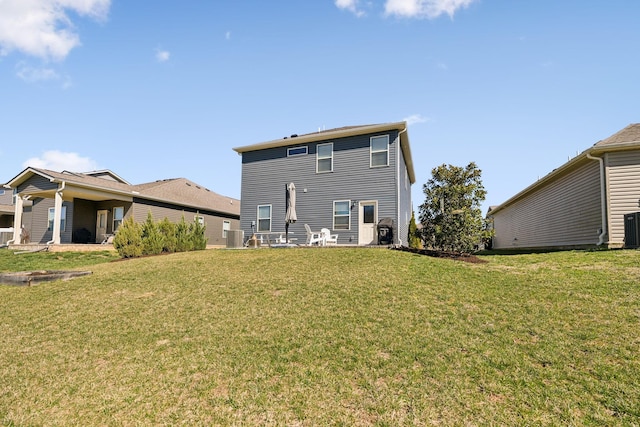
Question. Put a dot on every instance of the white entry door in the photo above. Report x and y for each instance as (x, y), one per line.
(367, 220)
(101, 225)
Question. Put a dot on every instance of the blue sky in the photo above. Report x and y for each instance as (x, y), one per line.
(166, 89)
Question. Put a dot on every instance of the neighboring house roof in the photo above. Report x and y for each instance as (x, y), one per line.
(181, 189)
(341, 132)
(626, 139)
(103, 173)
(175, 191)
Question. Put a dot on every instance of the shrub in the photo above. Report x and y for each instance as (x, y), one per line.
(183, 239)
(168, 230)
(152, 237)
(414, 239)
(128, 239)
(197, 237)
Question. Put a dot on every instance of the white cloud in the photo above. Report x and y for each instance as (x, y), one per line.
(31, 74)
(162, 55)
(58, 161)
(42, 28)
(430, 9)
(350, 5)
(227, 35)
(415, 118)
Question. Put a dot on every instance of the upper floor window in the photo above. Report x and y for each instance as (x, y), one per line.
(324, 157)
(297, 151)
(63, 218)
(1, 192)
(380, 151)
(341, 215)
(199, 219)
(264, 218)
(226, 226)
(118, 216)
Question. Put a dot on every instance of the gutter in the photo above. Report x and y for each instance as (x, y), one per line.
(603, 198)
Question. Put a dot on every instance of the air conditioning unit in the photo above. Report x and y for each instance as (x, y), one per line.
(235, 238)
(632, 230)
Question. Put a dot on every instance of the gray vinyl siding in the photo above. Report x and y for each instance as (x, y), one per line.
(37, 182)
(406, 206)
(6, 198)
(566, 212)
(40, 222)
(265, 173)
(213, 221)
(623, 182)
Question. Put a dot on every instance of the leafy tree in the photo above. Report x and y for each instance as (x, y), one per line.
(450, 215)
(414, 234)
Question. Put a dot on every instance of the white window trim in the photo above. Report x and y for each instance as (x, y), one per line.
(258, 217)
(306, 151)
(226, 226)
(334, 214)
(63, 218)
(371, 151)
(318, 158)
(114, 219)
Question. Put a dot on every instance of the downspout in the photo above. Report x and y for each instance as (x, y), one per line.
(58, 192)
(603, 198)
(398, 180)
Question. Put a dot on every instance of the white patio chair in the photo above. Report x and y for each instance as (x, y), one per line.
(329, 239)
(313, 238)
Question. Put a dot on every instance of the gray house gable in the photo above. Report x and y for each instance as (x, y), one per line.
(371, 191)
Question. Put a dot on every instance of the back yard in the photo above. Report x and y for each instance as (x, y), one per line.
(323, 336)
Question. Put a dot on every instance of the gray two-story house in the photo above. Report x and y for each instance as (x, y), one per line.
(346, 180)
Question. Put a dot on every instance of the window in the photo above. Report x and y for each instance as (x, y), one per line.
(379, 151)
(264, 218)
(1, 192)
(118, 216)
(369, 214)
(199, 219)
(341, 215)
(63, 218)
(296, 151)
(324, 158)
(226, 226)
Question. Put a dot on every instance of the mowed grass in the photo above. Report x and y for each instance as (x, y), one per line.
(327, 336)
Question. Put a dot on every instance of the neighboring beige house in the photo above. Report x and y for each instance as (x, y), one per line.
(66, 207)
(581, 204)
(6, 214)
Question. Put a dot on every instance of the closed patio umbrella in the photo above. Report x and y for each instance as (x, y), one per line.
(290, 216)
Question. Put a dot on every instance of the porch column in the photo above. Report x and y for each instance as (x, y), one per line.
(17, 219)
(57, 214)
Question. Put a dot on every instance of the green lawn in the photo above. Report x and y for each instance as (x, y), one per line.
(324, 336)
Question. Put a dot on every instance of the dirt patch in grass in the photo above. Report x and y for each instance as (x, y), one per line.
(457, 256)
